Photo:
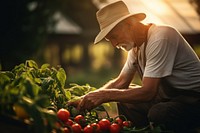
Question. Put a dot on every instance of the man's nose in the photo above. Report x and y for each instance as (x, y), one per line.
(114, 43)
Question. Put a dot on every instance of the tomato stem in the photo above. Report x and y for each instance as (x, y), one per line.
(121, 116)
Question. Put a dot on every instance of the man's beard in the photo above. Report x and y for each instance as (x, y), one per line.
(127, 46)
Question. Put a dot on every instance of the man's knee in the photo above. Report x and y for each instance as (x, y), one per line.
(171, 116)
(159, 113)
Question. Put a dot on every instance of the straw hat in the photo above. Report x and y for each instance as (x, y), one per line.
(109, 16)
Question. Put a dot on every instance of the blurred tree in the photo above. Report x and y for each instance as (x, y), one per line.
(84, 15)
(24, 27)
(25, 23)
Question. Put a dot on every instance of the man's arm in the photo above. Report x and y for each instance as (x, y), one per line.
(121, 82)
(145, 93)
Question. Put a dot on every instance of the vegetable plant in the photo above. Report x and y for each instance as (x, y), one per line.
(39, 96)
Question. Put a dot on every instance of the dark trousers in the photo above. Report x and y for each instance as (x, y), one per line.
(180, 115)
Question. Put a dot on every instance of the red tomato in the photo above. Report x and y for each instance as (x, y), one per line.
(57, 125)
(88, 129)
(114, 128)
(96, 127)
(76, 128)
(63, 114)
(126, 123)
(80, 120)
(119, 121)
(66, 130)
(104, 124)
(69, 122)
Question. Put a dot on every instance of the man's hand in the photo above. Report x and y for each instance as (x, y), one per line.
(75, 102)
(92, 100)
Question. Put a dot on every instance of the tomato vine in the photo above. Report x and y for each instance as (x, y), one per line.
(37, 94)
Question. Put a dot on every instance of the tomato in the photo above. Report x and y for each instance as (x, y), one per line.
(63, 114)
(20, 111)
(88, 129)
(127, 123)
(65, 130)
(69, 122)
(58, 125)
(104, 124)
(96, 127)
(119, 121)
(114, 128)
(80, 120)
(76, 128)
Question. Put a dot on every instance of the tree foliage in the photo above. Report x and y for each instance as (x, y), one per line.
(24, 28)
(24, 25)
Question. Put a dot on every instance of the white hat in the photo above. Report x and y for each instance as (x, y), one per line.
(109, 16)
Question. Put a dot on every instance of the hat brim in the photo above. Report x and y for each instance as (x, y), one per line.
(105, 31)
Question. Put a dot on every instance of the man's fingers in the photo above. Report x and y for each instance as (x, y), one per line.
(85, 103)
(85, 106)
(75, 102)
(72, 104)
(81, 106)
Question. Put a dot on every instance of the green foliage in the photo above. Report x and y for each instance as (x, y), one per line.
(34, 89)
(38, 90)
(41, 92)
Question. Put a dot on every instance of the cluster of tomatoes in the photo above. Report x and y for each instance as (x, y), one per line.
(80, 125)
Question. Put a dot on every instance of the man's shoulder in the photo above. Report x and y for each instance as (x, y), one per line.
(160, 32)
(163, 28)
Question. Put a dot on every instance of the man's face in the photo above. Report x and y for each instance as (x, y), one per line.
(120, 37)
(125, 46)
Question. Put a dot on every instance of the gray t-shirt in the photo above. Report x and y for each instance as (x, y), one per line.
(170, 57)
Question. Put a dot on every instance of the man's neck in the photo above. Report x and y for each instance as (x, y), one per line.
(144, 34)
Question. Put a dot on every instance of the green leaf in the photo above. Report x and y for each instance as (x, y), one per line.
(4, 79)
(32, 89)
(38, 81)
(61, 75)
(44, 66)
(74, 111)
(31, 63)
(77, 90)
(42, 101)
(14, 91)
(8, 73)
(38, 118)
(68, 94)
(18, 69)
(74, 99)
(46, 82)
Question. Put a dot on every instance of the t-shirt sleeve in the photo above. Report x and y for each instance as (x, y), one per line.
(160, 59)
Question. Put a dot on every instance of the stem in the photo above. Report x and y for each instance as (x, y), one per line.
(124, 117)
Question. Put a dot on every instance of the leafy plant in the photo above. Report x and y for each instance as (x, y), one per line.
(37, 90)
(36, 94)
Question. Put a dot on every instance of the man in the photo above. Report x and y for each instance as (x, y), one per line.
(170, 71)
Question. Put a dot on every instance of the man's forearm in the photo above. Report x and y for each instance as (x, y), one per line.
(115, 83)
(109, 85)
(121, 82)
